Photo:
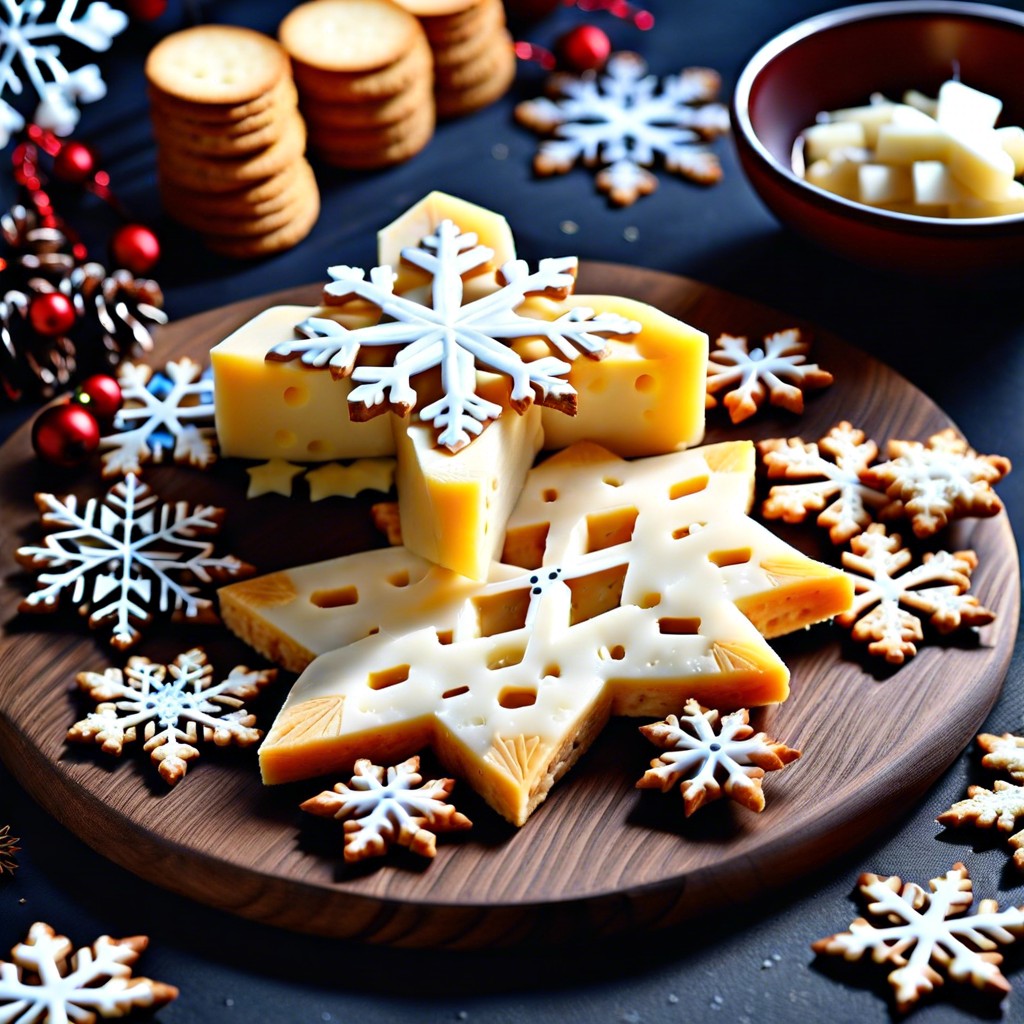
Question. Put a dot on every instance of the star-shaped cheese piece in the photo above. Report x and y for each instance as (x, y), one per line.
(273, 477)
(626, 600)
(335, 480)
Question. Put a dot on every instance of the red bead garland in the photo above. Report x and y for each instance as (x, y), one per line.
(584, 48)
(65, 435)
(51, 314)
(100, 394)
(135, 247)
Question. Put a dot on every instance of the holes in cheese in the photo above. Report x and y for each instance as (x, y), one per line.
(444, 636)
(399, 579)
(732, 556)
(388, 677)
(679, 625)
(685, 487)
(517, 697)
(338, 597)
(609, 528)
(503, 612)
(524, 545)
(457, 691)
(596, 593)
(295, 396)
(504, 657)
(651, 600)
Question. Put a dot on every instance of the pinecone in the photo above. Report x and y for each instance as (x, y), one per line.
(31, 365)
(33, 250)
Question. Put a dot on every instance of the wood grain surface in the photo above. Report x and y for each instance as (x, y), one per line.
(599, 856)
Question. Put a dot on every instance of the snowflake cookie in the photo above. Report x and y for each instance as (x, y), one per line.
(170, 707)
(41, 66)
(401, 810)
(125, 557)
(845, 503)
(932, 483)
(708, 764)
(454, 337)
(8, 848)
(621, 121)
(47, 982)
(752, 375)
(937, 587)
(163, 412)
(1003, 753)
(918, 934)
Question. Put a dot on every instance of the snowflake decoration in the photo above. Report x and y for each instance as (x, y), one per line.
(378, 814)
(126, 556)
(938, 481)
(844, 502)
(757, 373)
(162, 412)
(458, 339)
(919, 934)
(937, 587)
(46, 982)
(622, 121)
(1000, 806)
(8, 848)
(171, 707)
(697, 757)
(57, 88)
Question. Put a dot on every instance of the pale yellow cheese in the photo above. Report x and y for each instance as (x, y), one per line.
(632, 605)
(820, 140)
(273, 410)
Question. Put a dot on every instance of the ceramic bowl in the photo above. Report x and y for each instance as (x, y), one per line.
(838, 59)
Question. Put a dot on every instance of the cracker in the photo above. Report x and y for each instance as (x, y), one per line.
(476, 72)
(387, 153)
(454, 103)
(348, 35)
(486, 34)
(450, 30)
(222, 64)
(438, 8)
(358, 140)
(344, 116)
(265, 194)
(226, 115)
(274, 242)
(175, 135)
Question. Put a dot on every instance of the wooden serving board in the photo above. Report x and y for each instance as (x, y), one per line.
(598, 856)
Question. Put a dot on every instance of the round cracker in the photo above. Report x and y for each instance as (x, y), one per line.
(354, 140)
(455, 103)
(178, 135)
(438, 8)
(447, 55)
(480, 70)
(382, 156)
(344, 116)
(221, 64)
(348, 35)
(273, 242)
(228, 116)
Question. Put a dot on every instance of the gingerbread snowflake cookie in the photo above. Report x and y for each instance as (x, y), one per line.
(823, 477)
(935, 482)
(922, 932)
(775, 372)
(126, 557)
(888, 594)
(707, 764)
(386, 808)
(47, 981)
(623, 119)
(170, 708)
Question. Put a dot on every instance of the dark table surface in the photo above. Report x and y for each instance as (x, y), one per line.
(964, 347)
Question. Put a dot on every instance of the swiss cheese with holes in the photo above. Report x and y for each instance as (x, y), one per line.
(626, 599)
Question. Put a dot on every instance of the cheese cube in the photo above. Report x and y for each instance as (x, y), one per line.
(870, 118)
(1012, 203)
(963, 109)
(979, 162)
(934, 184)
(1011, 138)
(821, 139)
(880, 184)
(906, 143)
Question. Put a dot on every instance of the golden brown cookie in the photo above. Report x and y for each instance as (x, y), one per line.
(261, 197)
(383, 154)
(438, 8)
(359, 140)
(227, 115)
(478, 71)
(344, 116)
(348, 35)
(447, 30)
(178, 136)
(274, 241)
(456, 102)
(449, 54)
(216, 64)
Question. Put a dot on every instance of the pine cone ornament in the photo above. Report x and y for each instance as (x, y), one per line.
(31, 364)
(34, 250)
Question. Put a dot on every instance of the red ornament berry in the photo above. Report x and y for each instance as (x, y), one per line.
(75, 162)
(51, 314)
(100, 394)
(146, 10)
(65, 435)
(584, 48)
(136, 247)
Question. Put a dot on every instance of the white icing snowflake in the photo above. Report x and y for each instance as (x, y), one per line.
(57, 88)
(458, 339)
(125, 556)
(378, 814)
(937, 587)
(755, 374)
(621, 120)
(919, 934)
(706, 763)
(170, 707)
(161, 412)
(845, 503)
(45, 984)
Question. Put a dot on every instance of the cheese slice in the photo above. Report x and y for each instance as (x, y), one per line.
(634, 606)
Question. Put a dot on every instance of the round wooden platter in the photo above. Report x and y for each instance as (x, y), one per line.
(598, 856)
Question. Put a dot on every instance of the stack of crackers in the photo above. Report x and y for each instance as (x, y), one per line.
(474, 59)
(365, 76)
(231, 140)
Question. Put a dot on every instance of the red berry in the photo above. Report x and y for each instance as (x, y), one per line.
(65, 434)
(75, 162)
(136, 247)
(100, 394)
(584, 48)
(146, 10)
(51, 314)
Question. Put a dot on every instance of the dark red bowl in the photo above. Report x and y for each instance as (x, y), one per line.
(839, 59)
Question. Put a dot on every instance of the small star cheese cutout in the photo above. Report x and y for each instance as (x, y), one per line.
(776, 372)
(125, 557)
(334, 479)
(844, 502)
(918, 934)
(170, 708)
(8, 848)
(273, 477)
(937, 588)
(707, 764)
(47, 982)
(623, 119)
(932, 483)
(380, 811)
